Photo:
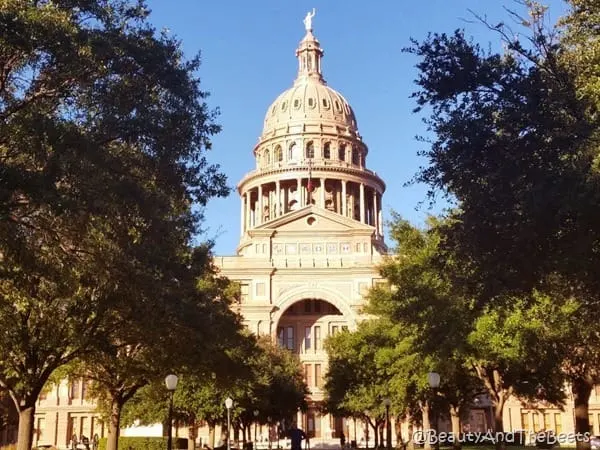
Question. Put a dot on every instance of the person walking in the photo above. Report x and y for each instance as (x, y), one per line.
(296, 436)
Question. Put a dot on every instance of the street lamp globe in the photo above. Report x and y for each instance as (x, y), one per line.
(434, 379)
(228, 403)
(171, 382)
(387, 402)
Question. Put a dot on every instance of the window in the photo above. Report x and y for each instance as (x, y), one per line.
(327, 150)
(267, 157)
(317, 337)
(281, 337)
(244, 292)
(317, 306)
(308, 374)
(536, 422)
(525, 421)
(318, 376)
(344, 328)
(591, 420)
(342, 152)
(311, 102)
(290, 338)
(284, 106)
(310, 150)
(557, 423)
(547, 421)
(307, 333)
(334, 329)
(325, 103)
(297, 103)
(75, 388)
(355, 156)
(278, 155)
(39, 431)
(307, 308)
(293, 152)
(84, 389)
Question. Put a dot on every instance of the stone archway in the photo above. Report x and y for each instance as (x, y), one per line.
(298, 294)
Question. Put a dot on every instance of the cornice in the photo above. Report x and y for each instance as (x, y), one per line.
(316, 171)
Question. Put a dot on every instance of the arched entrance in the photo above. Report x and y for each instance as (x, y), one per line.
(302, 328)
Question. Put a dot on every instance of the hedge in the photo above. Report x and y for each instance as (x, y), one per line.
(146, 443)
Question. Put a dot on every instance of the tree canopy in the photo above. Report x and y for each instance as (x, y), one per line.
(103, 134)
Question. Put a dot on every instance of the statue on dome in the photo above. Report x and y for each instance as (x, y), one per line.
(308, 20)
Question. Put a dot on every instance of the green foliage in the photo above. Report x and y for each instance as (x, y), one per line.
(102, 153)
(146, 443)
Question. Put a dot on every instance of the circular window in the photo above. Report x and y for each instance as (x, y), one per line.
(284, 106)
(311, 220)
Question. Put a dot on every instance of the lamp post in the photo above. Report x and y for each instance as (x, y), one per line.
(171, 383)
(269, 431)
(388, 429)
(255, 423)
(228, 405)
(433, 378)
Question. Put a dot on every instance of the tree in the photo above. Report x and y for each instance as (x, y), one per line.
(355, 384)
(515, 145)
(102, 140)
(502, 344)
(199, 314)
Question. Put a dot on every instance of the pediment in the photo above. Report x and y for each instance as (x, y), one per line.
(313, 219)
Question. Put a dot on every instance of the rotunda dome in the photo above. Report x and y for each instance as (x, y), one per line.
(309, 100)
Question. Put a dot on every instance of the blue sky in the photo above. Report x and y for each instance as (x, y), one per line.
(247, 50)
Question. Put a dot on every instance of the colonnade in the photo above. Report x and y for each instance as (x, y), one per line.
(267, 201)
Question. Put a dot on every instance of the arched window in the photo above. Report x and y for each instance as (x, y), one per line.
(293, 153)
(327, 151)
(342, 152)
(278, 154)
(310, 150)
(355, 157)
(267, 157)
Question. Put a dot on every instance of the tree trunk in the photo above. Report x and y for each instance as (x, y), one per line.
(425, 411)
(455, 422)
(367, 434)
(399, 440)
(409, 439)
(192, 437)
(211, 435)
(381, 434)
(112, 441)
(499, 420)
(582, 388)
(375, 436)
(26, 419)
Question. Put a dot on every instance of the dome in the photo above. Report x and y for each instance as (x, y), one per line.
(309, 102)
(310, 99)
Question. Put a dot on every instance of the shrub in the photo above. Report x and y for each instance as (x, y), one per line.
(146, 443)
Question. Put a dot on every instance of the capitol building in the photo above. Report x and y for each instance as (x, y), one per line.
(311, 240)
(311, 226)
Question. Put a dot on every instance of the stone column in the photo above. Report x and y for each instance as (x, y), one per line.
(299, 192)
(362, 203)
(242, 214)
(278, 202)
(380, 217)
(248, 210)
(259, 218)
(323, 193)
(344, 203)
(375, 216)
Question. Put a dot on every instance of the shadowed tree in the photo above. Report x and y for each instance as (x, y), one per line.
(103, 133)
